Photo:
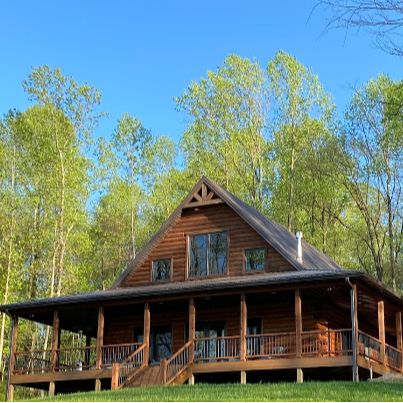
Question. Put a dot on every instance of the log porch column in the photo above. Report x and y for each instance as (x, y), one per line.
(354, 328)
(146, 333)
(11, 359)
(298, 331)
(243, 331)
(55, 348)
(192, 333)
(381, 329)
(399, 337)
(100, 342)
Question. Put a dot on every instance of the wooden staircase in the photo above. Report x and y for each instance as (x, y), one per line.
(146, 376)
(135, 372)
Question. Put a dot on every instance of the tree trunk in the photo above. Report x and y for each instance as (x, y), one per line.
(9, 259)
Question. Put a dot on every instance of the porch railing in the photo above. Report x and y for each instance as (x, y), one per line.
(117, 352)
(70, 358)
(327, 342)
(370, 348)
(31, 362)
(124, 371)
(177, 363)
(271, 345)
(216, 348)
(76, 358)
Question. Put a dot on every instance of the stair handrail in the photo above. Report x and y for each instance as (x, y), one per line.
(178, 362)
(124, 371)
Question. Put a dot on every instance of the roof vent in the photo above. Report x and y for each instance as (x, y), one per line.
(298, 235)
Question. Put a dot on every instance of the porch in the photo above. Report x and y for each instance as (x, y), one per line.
(255, 330)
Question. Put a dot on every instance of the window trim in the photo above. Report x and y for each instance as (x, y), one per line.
(265, 266)
(195, 233)
(170, 270)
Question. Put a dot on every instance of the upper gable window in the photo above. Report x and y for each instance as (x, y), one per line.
(207, 254)
(161, 270)
(255, 259)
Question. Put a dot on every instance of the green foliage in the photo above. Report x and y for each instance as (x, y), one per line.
(74, 211)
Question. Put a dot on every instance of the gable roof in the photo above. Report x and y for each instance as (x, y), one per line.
(282, 240)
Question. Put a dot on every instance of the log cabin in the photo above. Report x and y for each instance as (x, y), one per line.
(220, 293)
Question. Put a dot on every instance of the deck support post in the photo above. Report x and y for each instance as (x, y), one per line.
(146, 334)
(243, 377)
(191, 380)
(381, 329)
(300, 375)
(192, 327)
(354, 329)
(243, 327)
(399, 337)
(52, 389)
(11, 359)
(98, 385)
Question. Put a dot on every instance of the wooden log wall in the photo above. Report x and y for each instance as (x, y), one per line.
(207, 219)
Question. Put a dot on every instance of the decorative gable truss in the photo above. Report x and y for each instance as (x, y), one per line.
(203, 196)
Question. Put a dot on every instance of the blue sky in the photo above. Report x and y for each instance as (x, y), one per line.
(141, 54)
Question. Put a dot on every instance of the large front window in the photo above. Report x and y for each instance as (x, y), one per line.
(207, 254)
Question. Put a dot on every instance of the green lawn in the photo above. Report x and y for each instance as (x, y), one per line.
(309, 391)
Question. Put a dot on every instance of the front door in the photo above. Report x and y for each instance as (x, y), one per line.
(160, 343)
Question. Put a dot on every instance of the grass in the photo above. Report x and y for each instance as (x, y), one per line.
(309, 391)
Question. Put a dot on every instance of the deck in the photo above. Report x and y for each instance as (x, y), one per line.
(271, 351)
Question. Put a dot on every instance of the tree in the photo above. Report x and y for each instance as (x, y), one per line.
(69, 109)
(373, 146)
(132, 141)
(383, 19)
(302, 116)
(227, 137)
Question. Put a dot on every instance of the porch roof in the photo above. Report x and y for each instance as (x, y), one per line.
(194, 287)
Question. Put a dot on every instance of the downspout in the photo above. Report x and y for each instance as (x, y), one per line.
(353, 329)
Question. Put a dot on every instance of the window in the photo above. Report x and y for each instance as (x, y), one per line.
(161, 270)
(207, 254)
(255, 259)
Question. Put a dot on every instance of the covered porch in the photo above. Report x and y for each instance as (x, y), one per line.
(267, 328)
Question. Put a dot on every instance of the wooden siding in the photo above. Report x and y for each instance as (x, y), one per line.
(206, 219)
(275, 310)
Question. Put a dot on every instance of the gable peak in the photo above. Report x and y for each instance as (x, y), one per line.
(203, 195)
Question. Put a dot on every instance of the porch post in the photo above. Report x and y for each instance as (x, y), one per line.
(298, 331)
(381, 329)
(399, 337)
(11, 359)
(192, 334)
(100, 342)
(243, 328)
(146, 333)
(55, 348)
(354, 329)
